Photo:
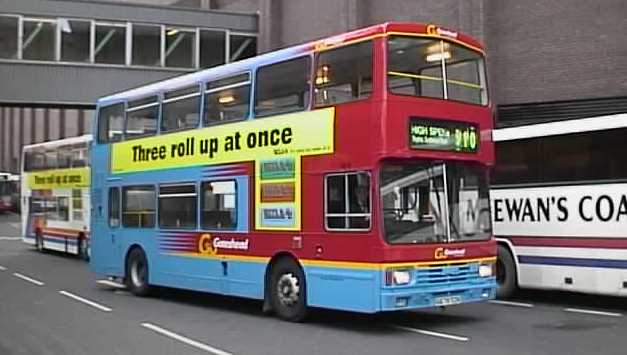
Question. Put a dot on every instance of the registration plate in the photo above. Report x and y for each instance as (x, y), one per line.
(447, 300)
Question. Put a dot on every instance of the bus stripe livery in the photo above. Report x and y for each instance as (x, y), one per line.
(346, 173)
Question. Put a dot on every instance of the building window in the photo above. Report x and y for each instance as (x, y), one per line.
(344, 74)
(114, 207)
(347, 204)
(212, 48)
(181, 109)
(110, 46)
(177, 206)
(227, 99)
(111, 123)
(138, 206)
(147, 45)
(283, 87)
(141, 117)
(75, 40)
(77, 205)
(242, 46)
(180, 47)
(38, 40)
(8, 36)
(219, 208)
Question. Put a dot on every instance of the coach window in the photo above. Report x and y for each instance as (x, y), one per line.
(518, 162)
(114, 207)
(227, 99)
(180, 109)
(110, 123)
(219, 208)
(348, 203)
(343, 74)
(141, 117)
(138, 207)
(283, 87)
(177, 206)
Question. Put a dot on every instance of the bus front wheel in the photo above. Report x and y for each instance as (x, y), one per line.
(288, 291)
(505, 273)
(137, 273)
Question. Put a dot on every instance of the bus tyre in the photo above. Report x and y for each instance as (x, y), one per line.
(505, 273)
(288, 290)
(83, 249)
(137, 273)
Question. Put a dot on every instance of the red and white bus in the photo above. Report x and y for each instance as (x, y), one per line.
(559, 205)
(347, 173)
(55, 195)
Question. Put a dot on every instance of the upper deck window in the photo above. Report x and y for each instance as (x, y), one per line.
(141, 117)
(110, 123)
(344, 74)
(436, 68)
(283, 87)
(181, 109)
(227, 99)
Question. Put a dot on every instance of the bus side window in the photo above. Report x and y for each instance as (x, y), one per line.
(348, 202)
(114, 207)
(138, 206)
(110, 123)
(344, 74)
(283, 87)
(181, 109)
(141, 117)
(227, 99)
(219, 207)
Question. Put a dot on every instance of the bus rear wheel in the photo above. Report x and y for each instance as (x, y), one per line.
(505, 273)
(288, 290)
(137, 273)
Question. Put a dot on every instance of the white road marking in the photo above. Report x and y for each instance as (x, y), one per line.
(10, 238)
(431, 333)
(598, 313)
(111, 283)
(86, 301)
(2, 268)
(185, 340)
(26, 278)
(510, 303)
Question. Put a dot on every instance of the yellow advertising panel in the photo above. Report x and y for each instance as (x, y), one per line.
(59, 178)
(297, 134)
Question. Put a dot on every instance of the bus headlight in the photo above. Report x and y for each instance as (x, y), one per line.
(396, 277)
(486, 269)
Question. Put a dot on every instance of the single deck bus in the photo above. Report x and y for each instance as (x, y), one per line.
(55, 195)
(347, 173)
(9, 192)
(560, 206)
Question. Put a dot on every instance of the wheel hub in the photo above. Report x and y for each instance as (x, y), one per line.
(288, 289)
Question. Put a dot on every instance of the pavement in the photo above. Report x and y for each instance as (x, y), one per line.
(51, 303)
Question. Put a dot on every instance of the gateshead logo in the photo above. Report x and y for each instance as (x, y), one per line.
(438, 31)
(445, 253)
(208, 245)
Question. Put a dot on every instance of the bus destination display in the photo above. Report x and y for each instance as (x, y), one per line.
(443, 135)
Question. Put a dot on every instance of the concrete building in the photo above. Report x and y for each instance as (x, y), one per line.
(57, 57)
(548, 59)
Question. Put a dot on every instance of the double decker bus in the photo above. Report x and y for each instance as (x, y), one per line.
(9, 192)
(347, 173)
(560, 206)
(55, 195)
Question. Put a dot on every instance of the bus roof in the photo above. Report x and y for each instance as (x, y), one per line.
(59, 142)
(248, 65)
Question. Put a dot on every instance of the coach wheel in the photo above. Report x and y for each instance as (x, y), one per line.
(84, 250)
(288, 291)
(137, 273)
(505, 273)
(39, 242)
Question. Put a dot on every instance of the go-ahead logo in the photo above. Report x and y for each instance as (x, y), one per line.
(208, 245)
(445, 253)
